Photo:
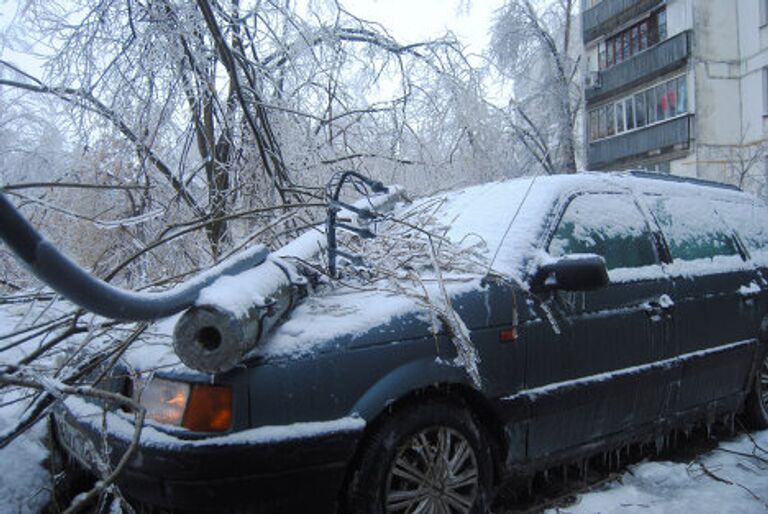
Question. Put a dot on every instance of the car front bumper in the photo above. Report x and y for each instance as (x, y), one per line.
(294, 468)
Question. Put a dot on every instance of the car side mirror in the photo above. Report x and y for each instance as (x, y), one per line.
(578, 272)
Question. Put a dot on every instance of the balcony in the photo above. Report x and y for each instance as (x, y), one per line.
(609, 14)
(656, 61)
(656, 139)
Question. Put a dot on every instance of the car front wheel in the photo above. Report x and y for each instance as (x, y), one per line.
(757, 401)
(428, 457)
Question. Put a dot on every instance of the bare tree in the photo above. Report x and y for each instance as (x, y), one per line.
(746, 165)
(185, 131)
(223, 105)
(535, 44)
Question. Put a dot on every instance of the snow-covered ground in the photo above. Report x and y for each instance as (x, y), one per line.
(733, 478)
(24, 482)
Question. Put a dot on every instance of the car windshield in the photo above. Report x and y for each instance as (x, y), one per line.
(508, 217)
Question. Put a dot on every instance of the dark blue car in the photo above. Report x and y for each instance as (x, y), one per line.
(598, 310)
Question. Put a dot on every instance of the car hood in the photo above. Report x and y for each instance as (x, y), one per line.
(350, 318)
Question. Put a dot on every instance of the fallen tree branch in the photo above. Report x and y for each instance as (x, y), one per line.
(91, 103)
(711, 475)
(69, 185)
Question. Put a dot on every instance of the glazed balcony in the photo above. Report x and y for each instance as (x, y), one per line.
(654, 62)
(610, 14)
(667, 136)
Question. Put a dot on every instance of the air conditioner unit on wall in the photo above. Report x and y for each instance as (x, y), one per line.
(592, 80)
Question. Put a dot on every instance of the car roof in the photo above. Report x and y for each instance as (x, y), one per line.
(511, 216)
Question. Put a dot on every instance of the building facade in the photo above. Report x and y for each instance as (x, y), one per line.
(677, 86)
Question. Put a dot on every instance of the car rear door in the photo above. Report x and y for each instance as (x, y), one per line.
(715, 316)
(597, 371)
(748, 218)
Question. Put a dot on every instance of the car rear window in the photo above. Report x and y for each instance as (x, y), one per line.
(750, 220)
(609, 225)
(692, 227)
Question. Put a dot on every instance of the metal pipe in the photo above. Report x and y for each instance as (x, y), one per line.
(334, 206)
(235, 314)
(74, 283)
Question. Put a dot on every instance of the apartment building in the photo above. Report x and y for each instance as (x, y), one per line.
(677, 86)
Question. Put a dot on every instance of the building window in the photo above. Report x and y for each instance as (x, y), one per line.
(629, 111)
(633, 40)
(640, 114)
(682, 97)
(763, 12)
(662, 22)
(650, 105)
(663, 167)
(619, 110)
(594, 124)
(653, 105)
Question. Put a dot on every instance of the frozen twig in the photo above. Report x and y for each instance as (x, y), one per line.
(58, 389)
(461, 338)
(410, 253)
(102, 485)
(32, 379)
(713, 476)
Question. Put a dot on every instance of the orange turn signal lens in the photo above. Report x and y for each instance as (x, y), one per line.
(508, 336)
(209, 409)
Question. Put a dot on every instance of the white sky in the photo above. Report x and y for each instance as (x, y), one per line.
(410, 21)
(415, 20)
(407, 20)
(7, 9)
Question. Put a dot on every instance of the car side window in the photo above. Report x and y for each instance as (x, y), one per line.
(692, 228)
(750, 220)
(609, 225)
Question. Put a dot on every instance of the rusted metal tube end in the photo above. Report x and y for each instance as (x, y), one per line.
(210, 339)
(234, 314)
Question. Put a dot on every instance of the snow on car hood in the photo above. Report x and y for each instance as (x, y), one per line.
(337, 318)
(358, 318)
(508, 217)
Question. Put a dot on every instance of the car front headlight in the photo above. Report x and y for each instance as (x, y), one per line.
(198, 407)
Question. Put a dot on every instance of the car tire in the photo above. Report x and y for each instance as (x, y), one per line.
(431, 453)
(756, 409)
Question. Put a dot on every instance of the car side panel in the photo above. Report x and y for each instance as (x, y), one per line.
(330, 385)
(598, 375)
(716, 328)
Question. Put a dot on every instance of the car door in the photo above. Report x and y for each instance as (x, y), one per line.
(748, 218)
(715, 316)
(596, 372)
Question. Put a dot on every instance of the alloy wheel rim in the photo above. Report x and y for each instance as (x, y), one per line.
(434, 471)
(764, 384)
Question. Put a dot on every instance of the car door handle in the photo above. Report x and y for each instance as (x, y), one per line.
(666, 304)
(652, 310)
(663, 306)
(748, 298)
(749, 291)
